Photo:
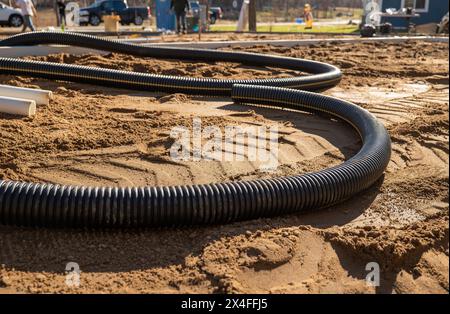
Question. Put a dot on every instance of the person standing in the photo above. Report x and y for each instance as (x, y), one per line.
(28, 11)
(308, 16)
(180, 7)
(62, 12)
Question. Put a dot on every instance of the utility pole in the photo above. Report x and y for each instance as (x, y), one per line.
(286, 10)
(252, 16)
(55, 9)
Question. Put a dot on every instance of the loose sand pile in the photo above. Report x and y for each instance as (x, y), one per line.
(102, 136)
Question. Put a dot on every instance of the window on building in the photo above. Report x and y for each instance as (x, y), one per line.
(418, 5)
(408, 4)
(421, 5)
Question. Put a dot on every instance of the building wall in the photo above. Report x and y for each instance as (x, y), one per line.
(436, 10)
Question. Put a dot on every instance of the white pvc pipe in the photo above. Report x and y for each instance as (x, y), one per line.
(40, 96)
(17, 106)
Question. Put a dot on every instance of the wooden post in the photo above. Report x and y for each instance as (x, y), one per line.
(252, 16)
(286, 10)
(200, 24)
(55, 9)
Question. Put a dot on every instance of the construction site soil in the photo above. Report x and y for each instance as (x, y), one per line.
(93, 135)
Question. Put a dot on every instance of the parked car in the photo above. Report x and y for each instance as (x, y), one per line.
(94, 13)
(195, 7)
(215, 13)
(10, 16)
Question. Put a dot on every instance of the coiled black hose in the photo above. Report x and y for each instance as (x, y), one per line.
(31, 204)
(324, 75)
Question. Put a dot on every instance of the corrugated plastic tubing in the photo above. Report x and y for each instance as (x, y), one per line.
(31, 204)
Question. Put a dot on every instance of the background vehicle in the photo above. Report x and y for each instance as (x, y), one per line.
(10, 16)
(94, 13)
(195, 7)
(215, 13)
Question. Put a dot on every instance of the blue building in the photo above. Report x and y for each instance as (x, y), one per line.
(431, 11)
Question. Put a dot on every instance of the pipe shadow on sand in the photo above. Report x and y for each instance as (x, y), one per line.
(49, 250)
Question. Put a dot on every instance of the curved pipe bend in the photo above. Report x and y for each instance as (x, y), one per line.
(33, 204)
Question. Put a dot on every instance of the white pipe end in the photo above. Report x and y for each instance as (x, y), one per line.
(40, 96)
(18, 106)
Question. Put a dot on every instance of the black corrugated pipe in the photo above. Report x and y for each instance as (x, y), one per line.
(323, 75)
(31, 204)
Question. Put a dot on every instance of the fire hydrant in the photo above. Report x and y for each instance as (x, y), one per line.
(111, 23)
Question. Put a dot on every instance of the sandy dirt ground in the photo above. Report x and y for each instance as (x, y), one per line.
(95, 135)
(211, 36)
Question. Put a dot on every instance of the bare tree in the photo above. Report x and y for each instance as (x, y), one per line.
(252, 16)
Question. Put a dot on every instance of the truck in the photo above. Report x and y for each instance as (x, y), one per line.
(94, 13)
(214, 14)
